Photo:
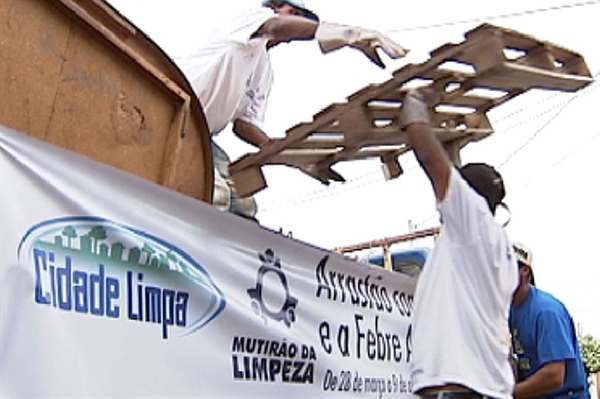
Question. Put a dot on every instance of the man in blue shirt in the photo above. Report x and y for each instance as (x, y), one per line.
(544, 341)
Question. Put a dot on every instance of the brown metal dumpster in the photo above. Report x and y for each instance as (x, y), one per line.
(77, 74)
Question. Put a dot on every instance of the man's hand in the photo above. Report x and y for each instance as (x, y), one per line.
(416, 106)
(250, 133)
(333, 36)
(414, 120)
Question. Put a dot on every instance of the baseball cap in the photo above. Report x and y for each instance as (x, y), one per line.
(524, 256)
(486, 181)
(299, 4)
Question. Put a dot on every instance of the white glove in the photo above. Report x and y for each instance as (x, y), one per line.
(333, 36)
(417, 105)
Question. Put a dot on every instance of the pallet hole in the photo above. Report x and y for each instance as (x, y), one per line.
(453, 86)
(454, 109)
(387, 104)
(460, 67)
(513, 53)
(383, 122)
(325, 136)
(485, 92)
(416, 83)
(451, 125)
(381, 148)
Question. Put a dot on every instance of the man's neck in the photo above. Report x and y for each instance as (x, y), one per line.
(520, 295)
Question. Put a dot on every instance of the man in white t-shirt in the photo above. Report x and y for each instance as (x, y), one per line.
(231, 75)
(460, 334)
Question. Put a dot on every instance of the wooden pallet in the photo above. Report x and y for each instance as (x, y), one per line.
(491, 66)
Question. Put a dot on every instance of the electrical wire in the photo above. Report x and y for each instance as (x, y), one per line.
(327, 192)
(539, 114)
(500, 16)
(350, 185)
(319, 194)
(562, 106)
(531, 105)
(422, 223)
(530, 139)
(583, 145)
(544, 126)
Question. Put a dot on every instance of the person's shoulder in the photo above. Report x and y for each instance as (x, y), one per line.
(544, 296)
(466, 194)
(467, 213)
(546, 302)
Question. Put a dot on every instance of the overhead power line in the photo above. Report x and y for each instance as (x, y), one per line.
(326, 192)
(531, 138)
(367, 179)
(545, 125)
(584, 145)
(318, 194)
(500, 16)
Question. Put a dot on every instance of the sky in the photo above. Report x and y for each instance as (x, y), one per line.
(546, 144)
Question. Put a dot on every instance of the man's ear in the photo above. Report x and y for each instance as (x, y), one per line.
(528, 272)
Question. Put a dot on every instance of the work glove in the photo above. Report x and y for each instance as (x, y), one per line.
(333, 36)
(417, 105)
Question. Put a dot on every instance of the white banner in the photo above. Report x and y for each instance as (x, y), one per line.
(112, 286)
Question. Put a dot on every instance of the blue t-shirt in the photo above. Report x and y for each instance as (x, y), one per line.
(543, 332)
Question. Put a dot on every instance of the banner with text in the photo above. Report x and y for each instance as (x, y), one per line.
(112, 286)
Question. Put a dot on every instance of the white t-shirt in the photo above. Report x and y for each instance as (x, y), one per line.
(460, 327)
(231, 74)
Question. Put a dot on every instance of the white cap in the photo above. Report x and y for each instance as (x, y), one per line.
(523, 253)
(299, 4)
(524, 256)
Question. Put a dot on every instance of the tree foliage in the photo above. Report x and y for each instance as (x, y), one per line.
(590, 353)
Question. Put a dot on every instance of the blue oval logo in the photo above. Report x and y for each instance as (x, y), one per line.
(98, 267)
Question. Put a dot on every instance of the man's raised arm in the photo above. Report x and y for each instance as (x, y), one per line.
(414, 120)
(286, 28)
